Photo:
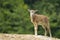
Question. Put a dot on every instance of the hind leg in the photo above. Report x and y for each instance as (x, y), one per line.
(44, 30)
(49, 32)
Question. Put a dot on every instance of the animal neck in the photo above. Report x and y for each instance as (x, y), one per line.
(31, 14)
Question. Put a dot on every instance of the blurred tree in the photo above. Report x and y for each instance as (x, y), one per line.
(14, 16)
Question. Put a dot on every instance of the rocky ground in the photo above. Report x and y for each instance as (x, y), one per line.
(24, 37)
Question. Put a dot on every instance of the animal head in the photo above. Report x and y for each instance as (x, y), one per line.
(32, 11)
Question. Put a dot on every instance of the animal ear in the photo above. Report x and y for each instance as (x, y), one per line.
(28, 9)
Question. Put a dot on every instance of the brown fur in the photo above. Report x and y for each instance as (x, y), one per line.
(39, 19)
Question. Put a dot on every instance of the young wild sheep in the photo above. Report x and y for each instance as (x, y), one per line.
(40, 20)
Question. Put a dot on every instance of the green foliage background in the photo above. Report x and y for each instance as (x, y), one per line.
(14, 16)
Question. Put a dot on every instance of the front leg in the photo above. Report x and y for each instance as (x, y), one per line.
(35, 29)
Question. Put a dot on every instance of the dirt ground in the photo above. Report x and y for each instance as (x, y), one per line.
(24, 37)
